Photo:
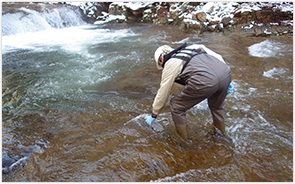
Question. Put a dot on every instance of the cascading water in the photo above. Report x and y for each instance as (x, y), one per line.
(23, 22)
(74, 101)
(63, 17)
(26, 21)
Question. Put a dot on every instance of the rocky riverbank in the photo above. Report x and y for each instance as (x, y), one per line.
(254, 18)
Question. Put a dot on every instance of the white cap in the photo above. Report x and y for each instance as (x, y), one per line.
(165, 49)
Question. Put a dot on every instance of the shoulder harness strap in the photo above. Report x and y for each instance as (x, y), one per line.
(166, 57)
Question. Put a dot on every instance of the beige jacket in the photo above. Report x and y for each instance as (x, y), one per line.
(170, 72)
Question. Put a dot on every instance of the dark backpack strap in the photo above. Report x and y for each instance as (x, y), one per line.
(166, 57)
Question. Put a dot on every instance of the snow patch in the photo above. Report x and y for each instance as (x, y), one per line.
(111, 18)
(133, 5)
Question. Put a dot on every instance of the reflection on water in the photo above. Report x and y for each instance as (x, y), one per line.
(73, 109)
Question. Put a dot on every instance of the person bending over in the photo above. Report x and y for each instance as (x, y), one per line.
(204, 74)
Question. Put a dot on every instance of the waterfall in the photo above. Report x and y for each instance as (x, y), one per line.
(63, 17)
(25, 20)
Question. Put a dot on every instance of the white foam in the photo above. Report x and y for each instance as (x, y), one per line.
(274, 72)
(232, 173)
(181, 41)
(19, 23)
(266, 49)
(27, 20)
(177, 177)
(73, 39)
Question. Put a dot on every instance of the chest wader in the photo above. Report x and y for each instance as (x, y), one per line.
(181, 132)
(203, 77)
(187, 58)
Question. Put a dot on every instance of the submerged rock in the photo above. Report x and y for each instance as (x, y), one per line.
(10, 164)
(7, 161)
(18, 158)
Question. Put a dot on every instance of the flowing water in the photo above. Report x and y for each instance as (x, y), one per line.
(74, 101)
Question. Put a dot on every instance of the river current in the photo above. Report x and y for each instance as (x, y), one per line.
(74, 101)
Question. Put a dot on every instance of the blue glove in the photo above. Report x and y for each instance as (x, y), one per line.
(149, 120)
(230, 89)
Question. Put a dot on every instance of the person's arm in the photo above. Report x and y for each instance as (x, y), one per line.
(169, 74)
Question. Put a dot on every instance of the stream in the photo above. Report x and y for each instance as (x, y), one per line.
(74, 100)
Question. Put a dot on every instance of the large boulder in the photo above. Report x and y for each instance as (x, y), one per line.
(93, 11)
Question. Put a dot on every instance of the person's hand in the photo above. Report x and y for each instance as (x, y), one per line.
(149, 120)
(230, 89)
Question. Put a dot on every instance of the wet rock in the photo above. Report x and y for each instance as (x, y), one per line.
(157, 126)
(211, 28)
(226, 21)
(210, 10)
(7, 161)
(17, 158)
(134, 15)
(201, 16)
(163, 13)
(11, 163)
(116, 10)
(187, 27)
(174, 15)
(194, 3)
(93, 11)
